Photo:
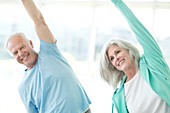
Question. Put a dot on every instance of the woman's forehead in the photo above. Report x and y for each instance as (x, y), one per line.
(113, 47)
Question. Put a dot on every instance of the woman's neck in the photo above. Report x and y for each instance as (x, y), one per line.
(131, 72)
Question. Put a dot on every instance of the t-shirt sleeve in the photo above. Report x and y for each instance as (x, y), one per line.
(48, 49)
(30, 107)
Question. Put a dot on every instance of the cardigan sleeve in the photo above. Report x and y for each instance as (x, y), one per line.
(142, 34)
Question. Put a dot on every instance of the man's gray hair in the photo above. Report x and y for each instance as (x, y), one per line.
(19, 34)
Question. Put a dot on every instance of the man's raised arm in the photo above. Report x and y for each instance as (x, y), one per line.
(41, 27)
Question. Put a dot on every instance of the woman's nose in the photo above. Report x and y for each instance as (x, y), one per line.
(116, 57)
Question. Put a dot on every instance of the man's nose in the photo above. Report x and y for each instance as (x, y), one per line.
(20, 52)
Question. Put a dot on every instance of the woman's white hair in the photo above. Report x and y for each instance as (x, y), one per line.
(107, 71)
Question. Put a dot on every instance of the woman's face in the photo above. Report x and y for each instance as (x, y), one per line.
(119, 58)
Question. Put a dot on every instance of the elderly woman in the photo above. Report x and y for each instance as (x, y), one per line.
(141, 83)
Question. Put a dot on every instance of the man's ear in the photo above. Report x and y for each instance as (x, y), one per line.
(30, 42)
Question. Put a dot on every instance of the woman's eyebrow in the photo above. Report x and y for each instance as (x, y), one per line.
(116, 50)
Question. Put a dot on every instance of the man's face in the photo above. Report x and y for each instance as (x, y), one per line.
(22, 50)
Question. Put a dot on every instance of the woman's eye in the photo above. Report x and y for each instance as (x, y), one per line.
(118, 51)
(111, 58)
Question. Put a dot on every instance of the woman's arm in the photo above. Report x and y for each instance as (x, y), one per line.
(153, 66)
(142, 34)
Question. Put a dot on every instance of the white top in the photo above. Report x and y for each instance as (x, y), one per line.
(140, 98)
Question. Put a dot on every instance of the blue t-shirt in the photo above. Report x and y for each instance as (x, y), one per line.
(51, 86)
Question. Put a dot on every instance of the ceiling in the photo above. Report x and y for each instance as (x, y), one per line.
(165, 4)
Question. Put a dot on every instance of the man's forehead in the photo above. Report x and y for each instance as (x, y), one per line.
(13, 45)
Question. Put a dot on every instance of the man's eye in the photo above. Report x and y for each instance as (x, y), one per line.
(15, 54)
(22, 47)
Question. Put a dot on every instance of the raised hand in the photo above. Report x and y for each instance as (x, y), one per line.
(116, 1)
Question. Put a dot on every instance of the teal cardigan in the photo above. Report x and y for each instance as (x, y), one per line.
(152, 65)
